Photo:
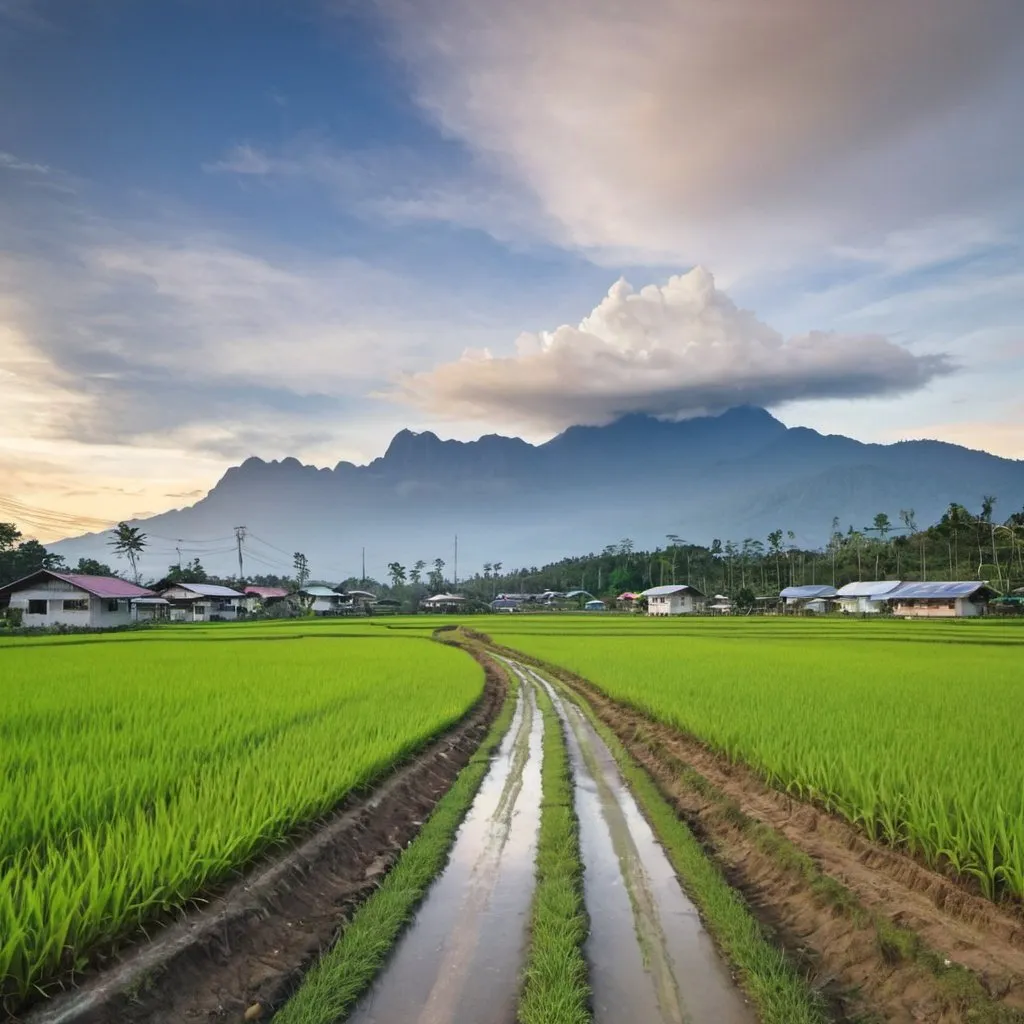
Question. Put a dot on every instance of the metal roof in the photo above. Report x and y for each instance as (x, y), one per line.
(318, 591)
(209, 589)
(939, 590)
(98, 586)
(876, 588)
(266, 592)
(443, 598)
(578, 593)
(150, 600)
(808, 592)
(670, 588)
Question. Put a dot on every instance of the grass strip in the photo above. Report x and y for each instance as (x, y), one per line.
(779, 994)
(331, 988)
(556, 989)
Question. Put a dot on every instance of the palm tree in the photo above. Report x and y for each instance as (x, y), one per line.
(775, 548)
(129, 542)
(300, 563)
(416, 572)
(397, 573)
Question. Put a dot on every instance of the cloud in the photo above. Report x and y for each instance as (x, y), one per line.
(679, 350)
(736, 132)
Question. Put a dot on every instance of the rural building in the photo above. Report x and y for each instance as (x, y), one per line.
(942, 600)
(263, 597)
(510, 603)
(868, 598)
(354, 602)
(721, 605)
(815, 599)
(204, 602)
(441, 603)
(595, 606)
(48, 598)
(321, 600)
(674, 599)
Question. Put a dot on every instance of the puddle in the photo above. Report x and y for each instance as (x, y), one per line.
(460, 960)
(650, 957)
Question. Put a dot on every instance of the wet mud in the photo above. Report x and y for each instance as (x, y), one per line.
(461, 958)
(650, 957)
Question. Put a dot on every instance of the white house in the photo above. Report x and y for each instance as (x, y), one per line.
(321, 600)
(866, 598)
(48, 598)
(204, 602)
(444, 603)
(942, 600)
(674, 599)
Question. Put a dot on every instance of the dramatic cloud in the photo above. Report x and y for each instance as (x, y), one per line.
(700, 131)
(674, 351)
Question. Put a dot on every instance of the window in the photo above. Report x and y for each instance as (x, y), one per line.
(76, 606)
(37, 608)
(112, 606)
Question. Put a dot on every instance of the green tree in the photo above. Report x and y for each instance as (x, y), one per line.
(397, 573)
(128, 542)
(190, 572)
(416, 572)
(90, 567)
(9, 536)
(775, 550)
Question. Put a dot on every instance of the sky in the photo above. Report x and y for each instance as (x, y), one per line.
(293, 228)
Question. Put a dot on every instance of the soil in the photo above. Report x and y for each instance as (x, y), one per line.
(860, 975)
(242, 954)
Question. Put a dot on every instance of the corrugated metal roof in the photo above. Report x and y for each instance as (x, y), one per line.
(939, 590)
(209, 589)
(318, 591)
(808, 592)
(876, 588)
(442, 598)
(670, 588)
(98, 586)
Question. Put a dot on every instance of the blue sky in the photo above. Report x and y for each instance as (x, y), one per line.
(232, 228)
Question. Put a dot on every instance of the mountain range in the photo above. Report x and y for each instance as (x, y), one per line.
(737, 475)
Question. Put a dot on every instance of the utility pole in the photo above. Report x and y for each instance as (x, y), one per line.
(239, 536)
(455, 567)
(177, 548)
(363, 578)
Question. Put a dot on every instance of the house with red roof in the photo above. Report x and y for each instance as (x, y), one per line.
(50, 598)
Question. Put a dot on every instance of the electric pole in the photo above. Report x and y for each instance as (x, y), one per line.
(240, 536)
(363, 579)
(455, 567)
(178, 549)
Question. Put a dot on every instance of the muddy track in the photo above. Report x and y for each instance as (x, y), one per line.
(251, 943)
(650, 958)
(461, 957)
(844, 949)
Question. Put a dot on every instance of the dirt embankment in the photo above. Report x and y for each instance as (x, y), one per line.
(251, 943)
(886, 941)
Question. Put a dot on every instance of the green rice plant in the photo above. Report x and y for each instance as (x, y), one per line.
(909, 730)
(134, 773)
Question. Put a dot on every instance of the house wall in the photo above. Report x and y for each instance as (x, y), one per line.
(95, 615)
(962, 607)
(861, 605)
(672, 604)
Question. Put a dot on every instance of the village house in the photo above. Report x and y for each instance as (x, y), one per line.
(321, 600)
(674, 599)
(49, 598)
(866, 598)
(812, 599)
(204, 602)
(258, 598)
(941, 600)
(444, 603)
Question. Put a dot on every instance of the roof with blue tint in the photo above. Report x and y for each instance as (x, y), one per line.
(876, 588)
(807, 593)
(939, 591)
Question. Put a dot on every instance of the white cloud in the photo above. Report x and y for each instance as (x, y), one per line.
(737, 133)
(681, 349)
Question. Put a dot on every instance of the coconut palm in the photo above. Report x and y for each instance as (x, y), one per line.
(128, 542)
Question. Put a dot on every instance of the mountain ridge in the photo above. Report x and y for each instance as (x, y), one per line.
(739, 474)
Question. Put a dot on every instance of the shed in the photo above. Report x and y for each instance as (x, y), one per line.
(674, 599)
(595, 606)
(866, 598)
(942, 600)
(49, 598)
(813, 598)
(321, 600)
(441, 603)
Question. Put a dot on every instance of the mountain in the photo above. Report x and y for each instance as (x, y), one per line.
(741, 474)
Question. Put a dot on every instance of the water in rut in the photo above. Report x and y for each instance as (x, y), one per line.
(650, 957)
(460, 960)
